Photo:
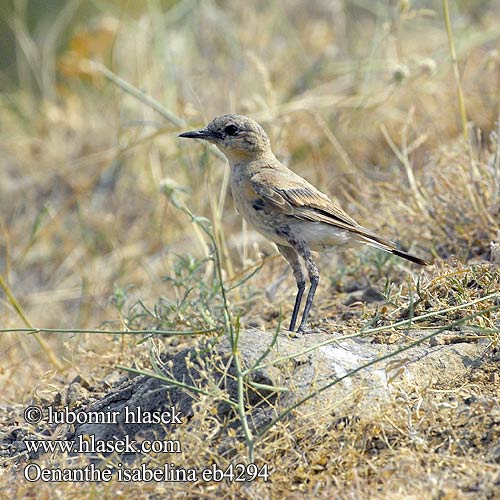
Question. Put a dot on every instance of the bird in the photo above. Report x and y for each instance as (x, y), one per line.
(284, 207)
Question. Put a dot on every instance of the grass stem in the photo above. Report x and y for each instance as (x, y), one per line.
(456, 71)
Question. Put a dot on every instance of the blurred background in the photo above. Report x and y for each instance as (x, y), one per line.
(358, 96)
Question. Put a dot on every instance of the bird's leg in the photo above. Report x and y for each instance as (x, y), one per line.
(298, 299)
(292, 257)
(313, 273)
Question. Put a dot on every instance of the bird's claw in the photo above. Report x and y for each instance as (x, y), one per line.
(294, 335)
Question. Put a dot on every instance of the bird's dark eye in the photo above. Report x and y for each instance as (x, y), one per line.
(231, 129)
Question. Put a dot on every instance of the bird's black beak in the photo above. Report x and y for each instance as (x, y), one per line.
(199, 134)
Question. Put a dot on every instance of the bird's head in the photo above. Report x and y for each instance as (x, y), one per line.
(237, 136)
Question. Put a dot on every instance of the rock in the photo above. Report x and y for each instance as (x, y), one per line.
(368, 295)
(495, 250)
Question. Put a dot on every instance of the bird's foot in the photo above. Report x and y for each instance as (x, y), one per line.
(303, 330)
(293, 335)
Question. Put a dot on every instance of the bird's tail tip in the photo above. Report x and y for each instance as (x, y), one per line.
(410, 257)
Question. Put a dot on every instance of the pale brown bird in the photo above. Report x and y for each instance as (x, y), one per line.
(283, 206)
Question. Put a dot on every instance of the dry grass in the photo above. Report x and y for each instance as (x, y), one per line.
(360, 98)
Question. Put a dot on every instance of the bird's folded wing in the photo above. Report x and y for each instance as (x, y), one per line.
(294, 196)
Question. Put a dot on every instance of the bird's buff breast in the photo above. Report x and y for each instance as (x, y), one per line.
(256, 211)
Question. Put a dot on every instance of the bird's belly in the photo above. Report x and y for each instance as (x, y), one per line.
(266, 223)
(262, 218)
(320, 236)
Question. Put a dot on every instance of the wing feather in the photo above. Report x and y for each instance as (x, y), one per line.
(293, 195)
(290, 192)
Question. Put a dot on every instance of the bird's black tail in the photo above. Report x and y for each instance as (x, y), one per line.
(389, 246)
(410, 257)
